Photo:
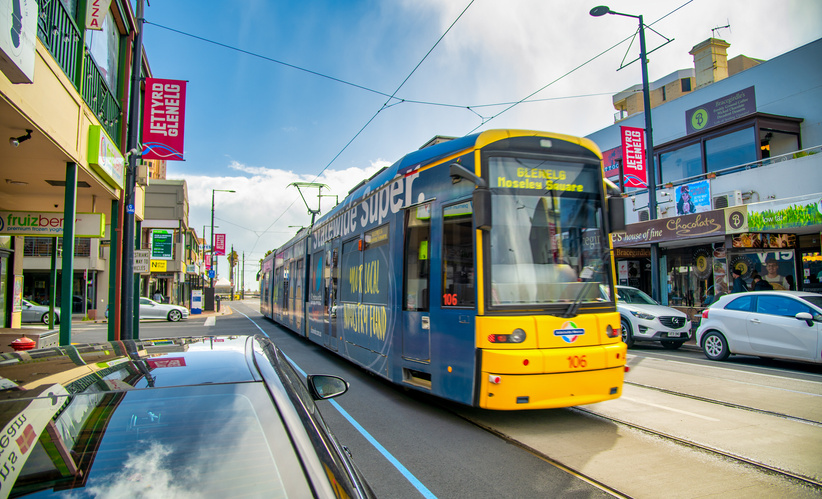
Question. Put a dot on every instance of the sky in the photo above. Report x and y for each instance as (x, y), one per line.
(329, 91)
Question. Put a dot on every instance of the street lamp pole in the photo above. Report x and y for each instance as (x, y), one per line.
(649, 139)
(211, 284)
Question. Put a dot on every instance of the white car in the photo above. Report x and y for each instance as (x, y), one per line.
(769, 324)
(643, 319)
(150, 309)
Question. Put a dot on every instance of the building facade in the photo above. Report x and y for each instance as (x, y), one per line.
(739, 176)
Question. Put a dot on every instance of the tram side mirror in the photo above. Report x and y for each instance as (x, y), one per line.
(482, 208)
(616, 213)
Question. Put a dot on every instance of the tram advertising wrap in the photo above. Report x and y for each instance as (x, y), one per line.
(476, 270)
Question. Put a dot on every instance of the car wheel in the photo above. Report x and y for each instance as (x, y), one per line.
(670, 344)
(715, 346)
(627, 335)
(45, 319)
(175, 315)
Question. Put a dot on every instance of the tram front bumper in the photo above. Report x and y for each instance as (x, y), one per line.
(544, 379)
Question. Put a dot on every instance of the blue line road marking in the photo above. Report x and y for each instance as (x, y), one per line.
(422, 489)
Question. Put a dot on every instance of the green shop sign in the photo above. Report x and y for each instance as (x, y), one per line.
(161, 244)
(801, 211)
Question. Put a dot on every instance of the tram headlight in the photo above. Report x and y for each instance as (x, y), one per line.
(611, 332)
(517, 336)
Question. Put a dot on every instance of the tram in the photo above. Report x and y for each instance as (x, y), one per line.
(477, 270)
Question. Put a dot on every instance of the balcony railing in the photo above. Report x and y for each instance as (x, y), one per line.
(99, 98)
(59, 32)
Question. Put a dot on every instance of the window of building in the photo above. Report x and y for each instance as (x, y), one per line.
(104, 47)
(775, 143)
(681, 163)
(732, 149)
(686, 84)
(41, 246)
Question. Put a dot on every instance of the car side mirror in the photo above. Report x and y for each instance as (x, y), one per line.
(805, 316)
(324, 386)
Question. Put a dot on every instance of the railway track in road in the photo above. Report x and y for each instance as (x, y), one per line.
(728, 404)
(804, 480)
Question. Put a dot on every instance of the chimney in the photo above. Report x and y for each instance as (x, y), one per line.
(710, 61)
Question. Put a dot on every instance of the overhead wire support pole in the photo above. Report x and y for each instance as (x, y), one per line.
(649, 138)
(127, 305)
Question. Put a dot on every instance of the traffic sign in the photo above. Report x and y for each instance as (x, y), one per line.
(142, 261)
(211, 274)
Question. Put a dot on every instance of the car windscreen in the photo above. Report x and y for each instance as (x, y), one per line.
(633, 295)
(220, 440)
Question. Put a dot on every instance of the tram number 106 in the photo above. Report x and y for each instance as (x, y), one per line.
(450, 299)
(577, 361)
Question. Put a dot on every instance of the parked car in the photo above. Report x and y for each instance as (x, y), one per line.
(770, 324)
(221, 416)
(643, 319)
(150, 309)
(34, 312)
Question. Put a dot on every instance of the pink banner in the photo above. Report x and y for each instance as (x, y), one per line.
(633, 157)
(164, 119)
(219, 244)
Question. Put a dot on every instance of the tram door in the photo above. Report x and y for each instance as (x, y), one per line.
(416, 330)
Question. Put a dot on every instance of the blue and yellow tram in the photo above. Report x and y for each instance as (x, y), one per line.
(475, 270)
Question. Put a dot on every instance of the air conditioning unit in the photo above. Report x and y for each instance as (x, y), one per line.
(644, 215)
(726, 199)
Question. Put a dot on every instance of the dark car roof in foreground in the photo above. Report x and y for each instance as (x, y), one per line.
(206, 416)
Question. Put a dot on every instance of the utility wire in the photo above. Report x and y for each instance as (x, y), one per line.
(484, 120)
(384, 106)
(266, 58)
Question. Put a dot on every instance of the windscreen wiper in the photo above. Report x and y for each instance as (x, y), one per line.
(572, 309)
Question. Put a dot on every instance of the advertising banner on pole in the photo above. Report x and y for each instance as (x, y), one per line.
(219, 244)
(633, 157)
(164, 119)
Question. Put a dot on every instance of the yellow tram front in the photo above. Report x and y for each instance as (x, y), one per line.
(547, 335)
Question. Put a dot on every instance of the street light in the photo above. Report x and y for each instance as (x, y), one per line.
(649, 138)
(212, 233)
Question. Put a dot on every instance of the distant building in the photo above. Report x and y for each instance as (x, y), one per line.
(741, 140)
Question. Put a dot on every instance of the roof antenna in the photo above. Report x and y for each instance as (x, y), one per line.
(715, 31)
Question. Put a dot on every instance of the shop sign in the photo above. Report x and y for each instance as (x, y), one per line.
(728, 108)
(159, 266)
(611, 160)
(104, 157)
(18, 39)
(759, 240)
(800, 211)
(711, 223)
(632, 253)
(162, 242)
(50, 224)
(164, 115)
(96, 11)
(633, 156)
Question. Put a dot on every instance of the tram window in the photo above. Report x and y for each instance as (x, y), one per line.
(316, 290)
(375, 266)
(351, 274)
(417, 252)
(458, 256)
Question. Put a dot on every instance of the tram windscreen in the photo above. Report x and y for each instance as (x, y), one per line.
(548, 244)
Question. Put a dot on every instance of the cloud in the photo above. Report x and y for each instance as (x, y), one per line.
(264, 211)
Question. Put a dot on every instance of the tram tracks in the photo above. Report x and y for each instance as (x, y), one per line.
(731, 405)
(713, 450)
